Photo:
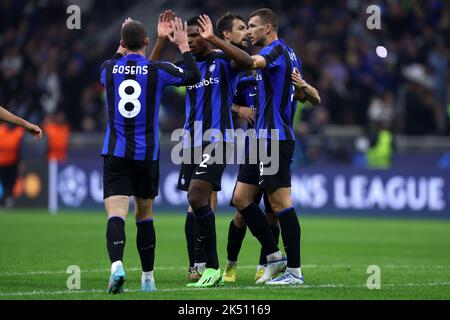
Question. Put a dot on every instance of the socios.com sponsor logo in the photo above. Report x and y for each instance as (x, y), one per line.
(204, 83)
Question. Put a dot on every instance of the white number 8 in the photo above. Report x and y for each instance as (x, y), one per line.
(132, 98)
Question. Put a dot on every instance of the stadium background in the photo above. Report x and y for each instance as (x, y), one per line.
(47, 69)
(377, 146)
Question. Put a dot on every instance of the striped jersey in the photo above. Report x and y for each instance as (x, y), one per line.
(246, 97)
(246, 92)
(208, 103)
(275, 100)
(134, 86)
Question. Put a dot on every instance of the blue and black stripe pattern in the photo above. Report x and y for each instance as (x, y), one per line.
(246, 92)
(209, 101)
(275, 100)
(134, 87)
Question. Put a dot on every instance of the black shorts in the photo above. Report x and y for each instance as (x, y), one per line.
(254, 174)
(205, 169)
(126, 177)
(248, 173)
(282, 178)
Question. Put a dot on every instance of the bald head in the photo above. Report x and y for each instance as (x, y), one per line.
(134, 36)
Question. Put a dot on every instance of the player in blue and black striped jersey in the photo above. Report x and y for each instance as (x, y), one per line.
(208, 108)
(279, 84)
(207, 127)
(232, 29)
(134, 86)
(244, 105)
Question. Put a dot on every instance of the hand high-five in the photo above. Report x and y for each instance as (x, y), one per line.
(164, 23)
(179, 37)
(206, 27)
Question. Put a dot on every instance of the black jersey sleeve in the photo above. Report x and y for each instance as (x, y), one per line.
(172, 74)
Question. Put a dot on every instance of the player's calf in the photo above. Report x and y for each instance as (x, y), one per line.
(199, 194)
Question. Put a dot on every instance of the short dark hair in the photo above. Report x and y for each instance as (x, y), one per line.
(267, 16)
(225, 22)
(193, 21)
(133, 35)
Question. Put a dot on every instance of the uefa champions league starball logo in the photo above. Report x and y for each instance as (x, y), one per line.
(72, 186)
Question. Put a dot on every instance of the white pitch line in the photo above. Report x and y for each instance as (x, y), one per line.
(307, 266)
(319, 286)
(46, 272)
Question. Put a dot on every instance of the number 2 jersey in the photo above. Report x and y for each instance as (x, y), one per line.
(134, 87)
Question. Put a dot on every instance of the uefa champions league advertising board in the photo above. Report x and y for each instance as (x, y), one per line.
(315, 189)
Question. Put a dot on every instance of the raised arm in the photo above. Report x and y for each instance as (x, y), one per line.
(258, 62)
(241, 59)
(164, 29)
(180, 39)
(7, 116)
(303, 90)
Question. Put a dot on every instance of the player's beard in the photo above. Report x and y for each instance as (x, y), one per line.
(247, 48)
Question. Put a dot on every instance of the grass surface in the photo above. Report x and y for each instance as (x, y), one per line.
(37, 248)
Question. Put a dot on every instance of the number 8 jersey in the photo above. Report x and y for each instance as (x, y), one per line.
(134, 86)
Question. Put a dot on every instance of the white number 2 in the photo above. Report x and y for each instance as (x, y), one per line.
(129, 98)
(206, 158)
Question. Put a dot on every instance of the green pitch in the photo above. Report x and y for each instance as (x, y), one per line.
(37, 248)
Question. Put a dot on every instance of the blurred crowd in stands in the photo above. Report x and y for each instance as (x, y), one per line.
(46, 69)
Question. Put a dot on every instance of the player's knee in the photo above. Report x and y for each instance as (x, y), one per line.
(240, 201)
(279, 205)
(117, 206)
(143, 209)
(239, 220)
(197, 198)
(143, 215)
(116, 212)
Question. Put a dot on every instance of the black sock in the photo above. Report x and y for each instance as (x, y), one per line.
(235, 237)
(145, 242)
(115, 238)
(206, 221)
(199, 247)
(189, 233)
(259, 227)
(276, 235)
(290, 233)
